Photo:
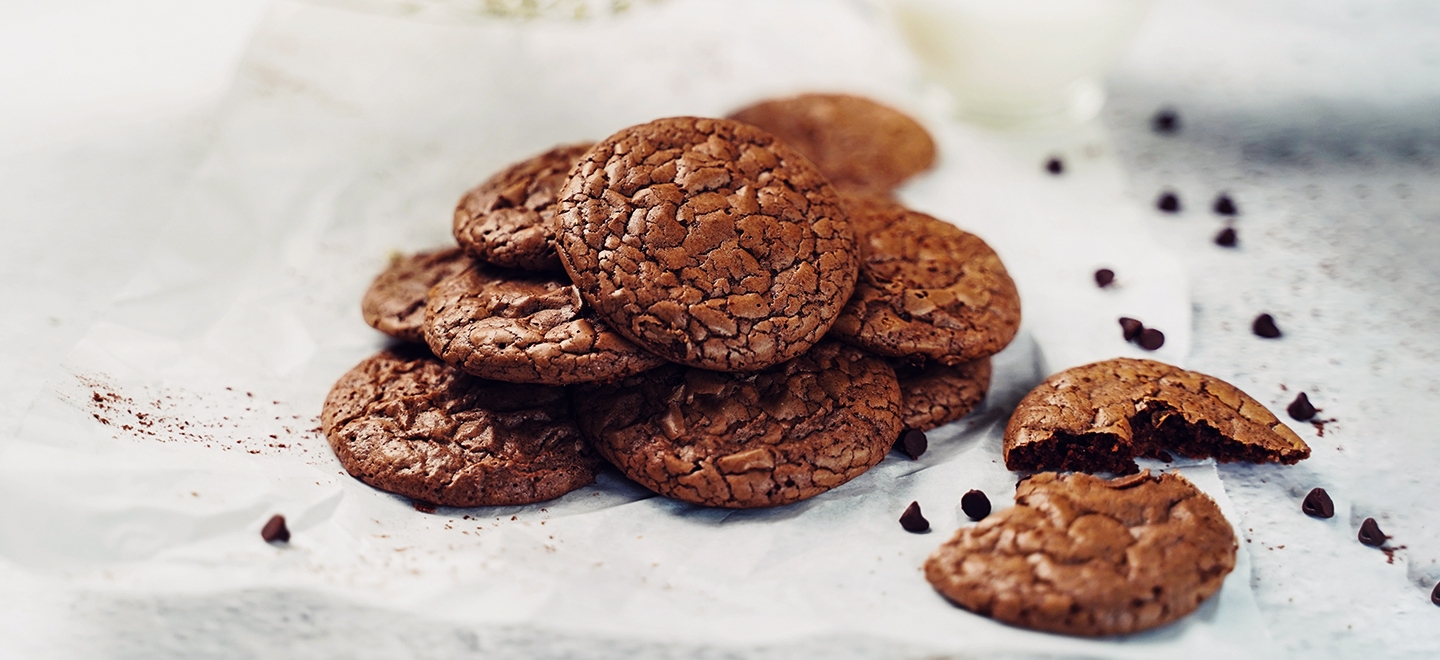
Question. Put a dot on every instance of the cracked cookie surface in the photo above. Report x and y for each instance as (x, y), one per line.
(747, 440)
(525, 327)
(405, 422)
(926, 288)
(509, 219)
(707, 242)
(857, 143)
(1098, 417)
(1081, 555)
(395, 302)
(934, 394)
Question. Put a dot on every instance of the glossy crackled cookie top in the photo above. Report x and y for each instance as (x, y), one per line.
(707, 242)
(509, 219)
(395, 302)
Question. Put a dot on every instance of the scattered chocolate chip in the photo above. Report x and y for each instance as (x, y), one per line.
(1317, 504)
(1301, 410)
(1055, 166)
(1151, 339)
(1225, 206)
(975, 505)
(912, 521)
(1130, 328)
(1265, 326)
(912, 443)
(1435, 594)
(1227, 237)
(1165, 121)
(275, 530)
(1104, 277)
(1370, 534)
(424, 507)
(1168, 202)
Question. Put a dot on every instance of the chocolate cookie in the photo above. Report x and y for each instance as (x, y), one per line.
(1080, 555)
(509, 219)
(926, 289)
(395, 302)
(1099, 417)
(747, 440)
(933, 394)
(525, 327)
(405, 422)
(858, 143)
(707, 242)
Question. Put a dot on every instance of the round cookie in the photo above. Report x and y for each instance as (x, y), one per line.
(525, 327)
(926, 289)
(747, 440)
(858, 143)
(405, 422)
(1080, 555)
(934, 394)
(707, 242)
(395, 302)
(1098, 417)
(509, 219)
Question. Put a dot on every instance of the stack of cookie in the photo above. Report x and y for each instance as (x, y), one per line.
(719, 312)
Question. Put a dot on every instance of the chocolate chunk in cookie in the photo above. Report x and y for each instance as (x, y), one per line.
(926, 289)
(1080, 555)
(405, 422)
(395, 302)
(933, 394)
(1099, 417)
(742, 440)
(858, 143)
(707, 242)
(509, 219)
(525, 327)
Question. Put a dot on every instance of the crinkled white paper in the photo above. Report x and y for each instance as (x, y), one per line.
(135, 494)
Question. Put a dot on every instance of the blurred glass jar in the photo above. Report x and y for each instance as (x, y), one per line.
(1016, 63)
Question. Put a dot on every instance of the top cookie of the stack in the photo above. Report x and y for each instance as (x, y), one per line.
(708, 242)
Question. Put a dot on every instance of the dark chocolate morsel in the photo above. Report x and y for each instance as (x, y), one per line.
(1225, 206)
(1265, 326)
(1435, 594)
(912, 521)
(275, 530)
(1301, 409)
(1227, 237)
(1317, 504)
(1130, 328)
(912, 442)
(1370, 534)
(1104, 277)
(1168, 202)
(1151, 339)
(1055, 166)
(975, 505)
(1165, 121)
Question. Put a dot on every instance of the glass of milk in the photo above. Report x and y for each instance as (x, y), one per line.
(1021, 62)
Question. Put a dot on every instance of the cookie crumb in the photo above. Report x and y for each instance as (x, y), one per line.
(1227, 238)
(1104, 277)
(1301, 409)
(424, 507)
(1264, 326)
(1055, 166)
(1168, 202)
(1165, 121)
(912, 443)
(912, 521)
(1225, 206)
(275, 531)
(1370, 533)
(1317, 504)
(975, 505)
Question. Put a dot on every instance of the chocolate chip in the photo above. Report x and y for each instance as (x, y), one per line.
(1224, 205)
(1151, 339)
(1165, 121)
(1370, 534)
(1168, 202)
(1227, 237)
(1130, 328)
(1435, 594)
(1055, 166)
(975, 504)
(912, 521)
(912, 443)
(1265, 326)
(1317, 504)
(275, 530)
(1104, 277)
(1300, 409)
